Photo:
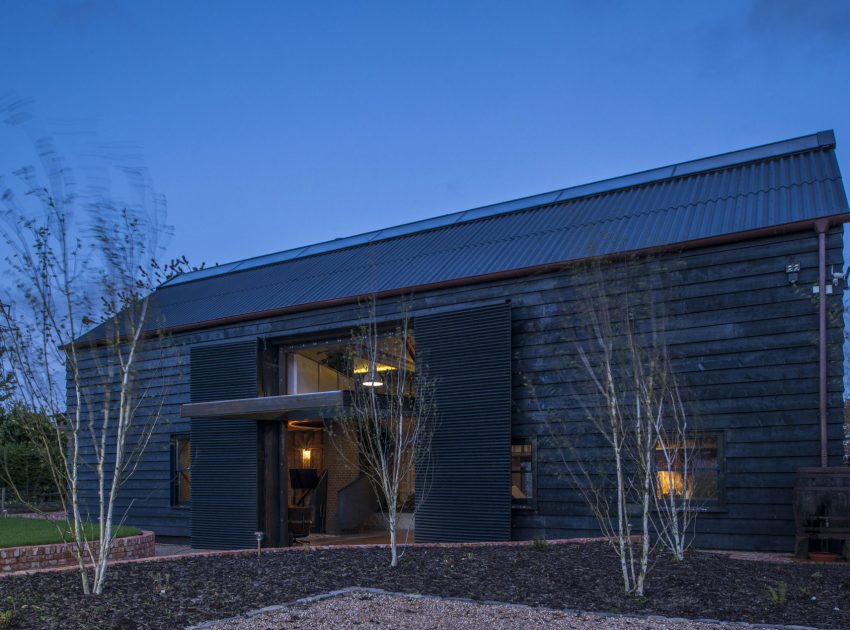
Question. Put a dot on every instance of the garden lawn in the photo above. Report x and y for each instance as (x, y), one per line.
(19, 532)
(178, 592)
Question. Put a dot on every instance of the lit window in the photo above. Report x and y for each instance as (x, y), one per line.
(181, 471)
(701, 457)
(522, 473)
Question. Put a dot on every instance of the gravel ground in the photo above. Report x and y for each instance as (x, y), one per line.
(365, 610)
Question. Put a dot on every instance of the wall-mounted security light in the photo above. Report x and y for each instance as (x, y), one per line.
(839, 278)
(793, 271)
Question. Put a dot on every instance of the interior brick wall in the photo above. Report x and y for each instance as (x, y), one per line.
(340, 474)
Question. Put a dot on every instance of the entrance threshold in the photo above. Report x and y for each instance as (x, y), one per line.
(405, 537)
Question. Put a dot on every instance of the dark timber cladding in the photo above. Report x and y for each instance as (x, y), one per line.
(741, 336)
(743, 342)
(224, 452)
(462, 487)
(712, 238)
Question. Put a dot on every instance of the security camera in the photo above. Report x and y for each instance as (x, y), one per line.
(838, 277)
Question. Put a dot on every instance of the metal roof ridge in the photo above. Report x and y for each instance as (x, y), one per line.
(822, 139)
(408, 259)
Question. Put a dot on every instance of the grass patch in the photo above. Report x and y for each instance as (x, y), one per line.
(17, 532)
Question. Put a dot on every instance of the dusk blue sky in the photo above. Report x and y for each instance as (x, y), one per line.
(270, 125)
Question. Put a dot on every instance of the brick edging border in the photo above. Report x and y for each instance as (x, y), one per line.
(465, 600)
(60, 556)
(313, 549)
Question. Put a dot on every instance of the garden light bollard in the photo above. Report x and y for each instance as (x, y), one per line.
(259, 536)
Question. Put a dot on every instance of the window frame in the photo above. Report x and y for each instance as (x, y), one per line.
(717, 504)
(176, 470)
(286, 346)
(526, 504)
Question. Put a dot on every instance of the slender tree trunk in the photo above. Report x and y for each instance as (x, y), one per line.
(73, 491)
(647, 490)
(622, 524)
(392, 517)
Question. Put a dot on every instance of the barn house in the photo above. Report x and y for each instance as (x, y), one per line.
(747, 247)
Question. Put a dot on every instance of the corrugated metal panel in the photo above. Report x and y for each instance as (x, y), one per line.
(223, 371)
(824, 139)
(660, 212)
(463, 490)
(224, 452)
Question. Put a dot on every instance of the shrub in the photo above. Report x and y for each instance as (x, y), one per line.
(779, 594)
(23, 463)
(7, 617)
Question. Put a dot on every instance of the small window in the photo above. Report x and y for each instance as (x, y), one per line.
(702, 456)
(522, 473)
(181, 471)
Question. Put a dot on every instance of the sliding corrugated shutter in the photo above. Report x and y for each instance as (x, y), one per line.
(224, 452)
(464, 494)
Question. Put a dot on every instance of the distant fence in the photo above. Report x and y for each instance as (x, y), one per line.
(39, 498)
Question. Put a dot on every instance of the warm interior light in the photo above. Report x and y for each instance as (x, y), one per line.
(362, 367)
(305, 457)
(671, 482)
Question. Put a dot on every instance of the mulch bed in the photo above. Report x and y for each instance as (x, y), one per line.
(579, 576)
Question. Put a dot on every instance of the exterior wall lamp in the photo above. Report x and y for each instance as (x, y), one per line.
(306, 456)
(793, 271)
(839, 278)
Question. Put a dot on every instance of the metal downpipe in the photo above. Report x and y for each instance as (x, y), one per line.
(821, 228)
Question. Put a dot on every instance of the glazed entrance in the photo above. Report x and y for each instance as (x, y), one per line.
(324, 488)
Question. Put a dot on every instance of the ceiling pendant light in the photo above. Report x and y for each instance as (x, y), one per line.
(372, 378)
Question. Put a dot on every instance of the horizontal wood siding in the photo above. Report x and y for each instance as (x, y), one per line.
(743, 340)
(744, 346)
(146, 497)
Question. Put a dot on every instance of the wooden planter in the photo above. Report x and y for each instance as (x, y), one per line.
(822, 507)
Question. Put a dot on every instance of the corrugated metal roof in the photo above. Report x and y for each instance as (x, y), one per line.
(773, 185)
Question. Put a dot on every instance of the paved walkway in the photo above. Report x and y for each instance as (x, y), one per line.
(314, 540)
(366, 538)
(761, 556)
(169, 549)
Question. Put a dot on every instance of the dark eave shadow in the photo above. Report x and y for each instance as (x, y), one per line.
(290, 407)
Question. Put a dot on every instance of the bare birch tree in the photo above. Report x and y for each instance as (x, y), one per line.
(669, 449)
(614, 365)
(677, 456)
(634, 406)
(391, 414)
(76, 320)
